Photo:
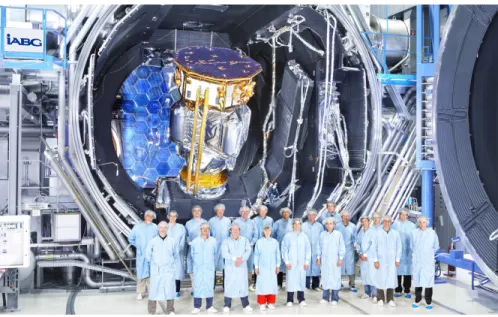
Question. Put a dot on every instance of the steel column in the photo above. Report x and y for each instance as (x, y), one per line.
(428, 195)
(14, 145)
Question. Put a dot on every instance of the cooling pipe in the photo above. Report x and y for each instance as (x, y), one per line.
(68, 260)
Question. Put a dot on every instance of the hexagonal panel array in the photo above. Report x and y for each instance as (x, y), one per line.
(147, 151)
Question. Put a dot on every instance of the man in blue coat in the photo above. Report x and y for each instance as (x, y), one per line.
(404, 228)
(267, 266)
(387, 256)
(177, 231)
(193, 227)
(236, 251)
(203, 255)
(249, 230)
(260, 221)
(280, 228)
(330, 213)
(220, 230)
(313, 229)
(348, 230)
(330, 255)
(424, 243)
(160, 253)
(296, 254)
(139, 237)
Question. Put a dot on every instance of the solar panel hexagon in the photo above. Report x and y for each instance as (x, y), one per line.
(128, 162)
(140, 141)
(141, 113)
(129, 106)
(155, 79)
(154, 106)
(153, 121)
(142, 86)
(141, 127)
(151, 175)
(142, 72)
(163, 168)
(154, 93)
(141, 100)
(139, 154)
(138, 168)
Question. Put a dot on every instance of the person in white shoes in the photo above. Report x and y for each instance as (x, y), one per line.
(160, 253)
(236, 250)
(204, 250)
(424, 243)
(267, 266)
(193, 231)
(364, 242)
(331, 251)
(386, 254)
(249, 230)
(220, 230)
(296, 254)
(141, 234)
(348, 230)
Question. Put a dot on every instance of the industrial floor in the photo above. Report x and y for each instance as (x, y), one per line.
(454, 297)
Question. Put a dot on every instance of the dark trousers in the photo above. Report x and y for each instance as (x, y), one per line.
(427, 295)
(198, 302)
(315, 281)
(290, 297)
(244, 300)
(223, 283)
(389, 295)
(178, 284)
(407, 284)
(254, 278)
(280, 278)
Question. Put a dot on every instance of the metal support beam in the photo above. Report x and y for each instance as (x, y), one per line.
(428, 195)
(14, 195)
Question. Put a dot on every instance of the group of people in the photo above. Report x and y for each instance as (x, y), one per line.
(253, 255)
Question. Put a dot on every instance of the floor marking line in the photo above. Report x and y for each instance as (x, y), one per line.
(448, 308)
(354, 306)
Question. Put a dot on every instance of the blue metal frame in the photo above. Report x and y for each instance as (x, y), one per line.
(41, 61)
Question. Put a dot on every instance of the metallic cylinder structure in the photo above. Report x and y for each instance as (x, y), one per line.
(428, 195)
(395, 38)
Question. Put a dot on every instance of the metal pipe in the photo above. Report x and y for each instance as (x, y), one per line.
(96, 249)
(81, 206)
(30, 130)
(65, 260)
(77, 22)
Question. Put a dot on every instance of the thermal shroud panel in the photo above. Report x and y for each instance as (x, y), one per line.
(351, 85)
(279, 163)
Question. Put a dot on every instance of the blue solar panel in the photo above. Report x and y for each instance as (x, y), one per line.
(147, 151)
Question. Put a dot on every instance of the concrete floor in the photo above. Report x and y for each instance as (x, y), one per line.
(454, 297)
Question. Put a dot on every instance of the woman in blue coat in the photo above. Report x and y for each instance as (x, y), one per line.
(141, 234)
(161, 252)
(203, 255)
(267, 266)
(424, 243)
(313, 229)
(331, 252)
(296, 254)
(177, 231)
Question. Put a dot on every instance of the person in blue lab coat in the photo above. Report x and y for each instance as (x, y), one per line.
(220, 230)
(348, 230)
(280, 228)
(267, 266)
(296, 254)
(313, 229)
(139, 237)
(204, 249)
(424, 243)
(376, 221)
(404, 228)
(178, 232)
(261, 220)
(193, 227)
(160, 253)
(249, 230)
(330, 213)
(387, 256)
(330, 255)
(236, 251)
(364, 243)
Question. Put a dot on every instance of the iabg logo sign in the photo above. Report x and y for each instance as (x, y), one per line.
(23, 40)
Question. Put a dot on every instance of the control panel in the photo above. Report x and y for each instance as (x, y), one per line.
(14, 241)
